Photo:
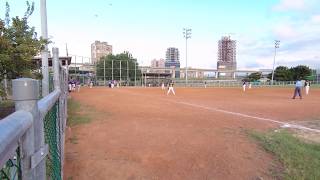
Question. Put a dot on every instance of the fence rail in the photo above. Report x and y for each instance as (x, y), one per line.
(204, 83)
(32, 138)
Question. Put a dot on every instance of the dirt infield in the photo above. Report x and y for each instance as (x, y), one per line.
(140, 133)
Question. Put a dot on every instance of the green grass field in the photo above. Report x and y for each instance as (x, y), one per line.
(75, 115)
(300, 160)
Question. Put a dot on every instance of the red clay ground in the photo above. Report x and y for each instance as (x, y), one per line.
(140, 133)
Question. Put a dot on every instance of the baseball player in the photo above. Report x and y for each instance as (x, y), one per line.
(171, 89)
(297, 89)
(244, 86)
(307, 86)
(162, 86)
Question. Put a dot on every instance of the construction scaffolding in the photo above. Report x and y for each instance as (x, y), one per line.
(226, 57)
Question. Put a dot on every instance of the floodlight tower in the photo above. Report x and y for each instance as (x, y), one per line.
(186, 35)
(45, 51)
(276, 46)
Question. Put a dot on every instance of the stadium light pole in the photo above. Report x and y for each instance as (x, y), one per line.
(44, 52)
(135, 74)
(276, 45)
(186, 35)
(127, 73)
(120, 72)
(112, 69)
(82, 70)
(104, 71)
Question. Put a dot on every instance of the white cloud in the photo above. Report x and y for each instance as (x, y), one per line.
(315, 19)
(286, 5)
(285, 31)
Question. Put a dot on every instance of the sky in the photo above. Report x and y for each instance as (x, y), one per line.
(146, 28)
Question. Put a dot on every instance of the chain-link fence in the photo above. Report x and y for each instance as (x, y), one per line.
(12, 168)
(53, 133)
(32, 138)
(236, 83)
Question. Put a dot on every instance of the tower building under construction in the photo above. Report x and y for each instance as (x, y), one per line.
(227, 63)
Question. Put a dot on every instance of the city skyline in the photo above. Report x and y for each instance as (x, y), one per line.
(147, 28)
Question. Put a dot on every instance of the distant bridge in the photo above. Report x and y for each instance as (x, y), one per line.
(199, 72)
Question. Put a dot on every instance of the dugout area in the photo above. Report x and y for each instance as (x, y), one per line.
(155, 79)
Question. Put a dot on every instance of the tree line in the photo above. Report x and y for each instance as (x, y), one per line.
(129, 67)
(283, 73)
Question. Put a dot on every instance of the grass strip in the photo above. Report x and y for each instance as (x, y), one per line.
(301, 160)
(76, 113)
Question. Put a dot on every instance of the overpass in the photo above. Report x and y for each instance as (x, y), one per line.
(199, 72)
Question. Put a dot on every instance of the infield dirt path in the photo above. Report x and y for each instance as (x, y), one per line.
(140, 133)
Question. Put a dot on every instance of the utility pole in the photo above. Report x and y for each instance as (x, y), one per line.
(186, 35)
(45, 51)
(276, 45)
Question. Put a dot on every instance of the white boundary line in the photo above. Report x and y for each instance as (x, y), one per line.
(283, 124)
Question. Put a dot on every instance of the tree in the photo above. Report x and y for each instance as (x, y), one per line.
(18, 45)
(301, 72)
(281, 73)
(126, 60)
(255, 76)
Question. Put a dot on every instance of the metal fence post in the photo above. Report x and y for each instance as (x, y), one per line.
(33, 151)
(59, 86)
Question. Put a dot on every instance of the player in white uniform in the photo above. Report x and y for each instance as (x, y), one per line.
(171, 89)
(307, 86)
(244, 86)
(162, 86)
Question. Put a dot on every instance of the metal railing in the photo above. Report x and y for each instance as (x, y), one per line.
(32, 138)
(206, 83)
(237, 83)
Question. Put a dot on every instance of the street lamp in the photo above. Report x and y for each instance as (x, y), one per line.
(276, 45)
(186, 35)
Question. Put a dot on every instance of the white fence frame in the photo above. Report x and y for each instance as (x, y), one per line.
(25, 127)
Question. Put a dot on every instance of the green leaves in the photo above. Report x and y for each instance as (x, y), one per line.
(127, 67)
(255, 76)
(18, 45)
(283, 73)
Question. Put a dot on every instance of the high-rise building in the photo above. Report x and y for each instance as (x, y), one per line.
(172, 61)
(158, 64)
(99, 49)
(227, 57)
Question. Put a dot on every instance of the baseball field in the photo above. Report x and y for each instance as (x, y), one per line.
(141, 133)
